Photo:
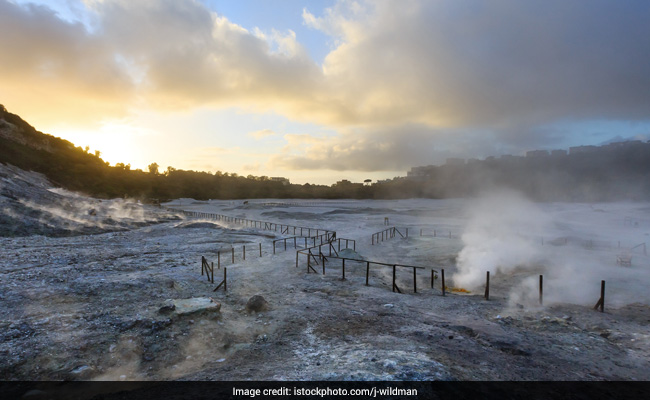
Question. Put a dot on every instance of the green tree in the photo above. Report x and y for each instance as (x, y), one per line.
(153, 168)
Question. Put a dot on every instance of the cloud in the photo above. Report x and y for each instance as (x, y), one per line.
(402, 79)
(467, 63)
(56, 68)
(262, 134)
(395, 148)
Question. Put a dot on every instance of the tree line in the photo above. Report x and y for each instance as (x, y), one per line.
(603, 175)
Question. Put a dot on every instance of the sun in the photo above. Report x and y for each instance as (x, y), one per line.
(116, 142)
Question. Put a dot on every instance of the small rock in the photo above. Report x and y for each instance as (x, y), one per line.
(167, 308)
(80, 370)
(389, 305)
(257, 303)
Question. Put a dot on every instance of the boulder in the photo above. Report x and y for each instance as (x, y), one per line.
(257, 303)
(190, 306)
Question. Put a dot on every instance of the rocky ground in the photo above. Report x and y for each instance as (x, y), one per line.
(89, 307)
(105, 307)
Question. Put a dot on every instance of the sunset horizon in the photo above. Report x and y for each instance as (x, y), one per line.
(318, 92)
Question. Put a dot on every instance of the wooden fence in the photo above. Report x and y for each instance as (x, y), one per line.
(251, 223)
(387, 234)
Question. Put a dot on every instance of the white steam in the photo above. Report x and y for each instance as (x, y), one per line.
(501, 235)
(573, 246)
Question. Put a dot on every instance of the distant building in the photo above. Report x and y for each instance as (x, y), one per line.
(537, 153)
(622, 145)
(558, 153)
(420, 172)
(510, 158)
(455, 162)
(280, 179)
(582, 150)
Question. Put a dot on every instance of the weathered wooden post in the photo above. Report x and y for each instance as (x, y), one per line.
(415, 287)
(343, 268)
(260, 249)
(367, 271)
(394, 268)
(244, 252)
(233, 254)
(285, 241)
(487, 286)
(601, 301)
(285, 244)
(541, 289)
(212, 271)
(443, 281)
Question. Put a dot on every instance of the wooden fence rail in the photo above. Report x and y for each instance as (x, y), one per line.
(264, 225)
(304, 241)
(387, 234)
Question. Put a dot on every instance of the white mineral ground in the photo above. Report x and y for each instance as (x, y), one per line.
(88, 306)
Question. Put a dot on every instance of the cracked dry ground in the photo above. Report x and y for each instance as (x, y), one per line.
(87, 307)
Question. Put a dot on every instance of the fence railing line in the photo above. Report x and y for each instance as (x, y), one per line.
(266, 225)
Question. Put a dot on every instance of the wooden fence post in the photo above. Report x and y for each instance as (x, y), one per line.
(487, 286)
(541, 289)
(443, 281)
(415, 287)
(367, 271)
(601, 301)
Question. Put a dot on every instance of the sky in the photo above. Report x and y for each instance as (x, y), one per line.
(319, 91)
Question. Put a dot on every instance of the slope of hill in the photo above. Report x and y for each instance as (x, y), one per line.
(31, 205)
